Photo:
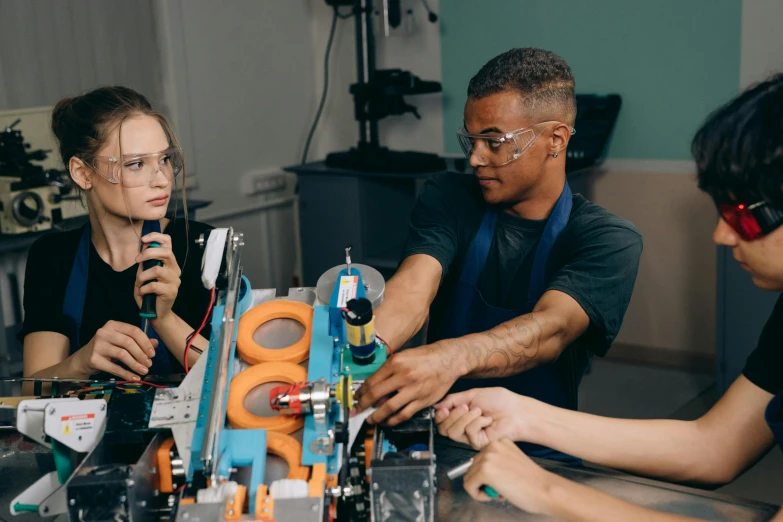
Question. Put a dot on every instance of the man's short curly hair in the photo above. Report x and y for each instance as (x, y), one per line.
(542, 78)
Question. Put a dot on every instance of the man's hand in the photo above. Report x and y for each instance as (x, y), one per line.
(408, 382)
(481, 415)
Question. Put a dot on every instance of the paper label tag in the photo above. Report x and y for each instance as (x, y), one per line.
(75, 423)
(347, 290)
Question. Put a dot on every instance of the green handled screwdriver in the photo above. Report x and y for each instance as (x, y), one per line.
(148, 310)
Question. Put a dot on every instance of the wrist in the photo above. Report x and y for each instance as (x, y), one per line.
(527, 418)
(451, 359)
(554, 495)
(75, 368)
(163, 322)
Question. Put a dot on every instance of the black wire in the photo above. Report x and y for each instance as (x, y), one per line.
(326, 85)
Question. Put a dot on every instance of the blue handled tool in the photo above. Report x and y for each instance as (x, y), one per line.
(148, 310)
(463, 468)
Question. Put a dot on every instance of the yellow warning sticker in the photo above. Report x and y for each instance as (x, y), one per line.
(75, 423)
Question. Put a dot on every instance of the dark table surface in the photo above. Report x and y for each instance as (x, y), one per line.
(22, 462)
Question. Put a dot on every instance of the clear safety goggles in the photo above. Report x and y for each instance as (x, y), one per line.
(138, 170)
(496, 149)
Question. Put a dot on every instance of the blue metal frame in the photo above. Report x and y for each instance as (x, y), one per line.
(238, 447)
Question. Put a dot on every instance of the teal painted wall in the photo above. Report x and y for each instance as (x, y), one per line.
(673, 61)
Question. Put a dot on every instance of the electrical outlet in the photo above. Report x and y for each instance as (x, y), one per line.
(264, 182)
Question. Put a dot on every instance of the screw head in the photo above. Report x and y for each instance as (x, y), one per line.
(416, 494)
(123, 498)
(51, 411)
(425, 484)
(347, 368)
(375, 486)
(314, 508)
(143, 503)
(186, 515)
(103, 407)
(266, 510)
(72, 502)
(230, 511)
(46, 509)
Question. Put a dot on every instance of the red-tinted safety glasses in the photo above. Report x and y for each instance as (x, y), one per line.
(751, 221)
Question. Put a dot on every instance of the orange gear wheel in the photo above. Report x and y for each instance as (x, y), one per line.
(239, 417)
(253, 353)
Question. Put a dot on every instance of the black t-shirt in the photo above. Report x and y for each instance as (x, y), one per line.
(594, 260)
(109, 293)
(764, 367)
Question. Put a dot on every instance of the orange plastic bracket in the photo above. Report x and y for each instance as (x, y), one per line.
(265, 505)
(290, 450)
(235, 505)
(165, 484)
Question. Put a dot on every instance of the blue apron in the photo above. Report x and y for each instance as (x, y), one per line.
(76, 292)
(774, 418)
(470, 313)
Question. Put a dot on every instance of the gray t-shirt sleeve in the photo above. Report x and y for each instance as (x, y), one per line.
(600, 275)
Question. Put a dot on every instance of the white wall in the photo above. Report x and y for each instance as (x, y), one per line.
(243, 82)
(240, 83)
(417, 51)
(762, 40)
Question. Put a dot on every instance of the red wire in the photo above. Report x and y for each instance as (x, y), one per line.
(388, 348)
(197, 332)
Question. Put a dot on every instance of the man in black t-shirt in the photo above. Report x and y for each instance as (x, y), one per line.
(521, 279)
(739, 157)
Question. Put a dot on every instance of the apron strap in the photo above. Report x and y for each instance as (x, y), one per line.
(478, 251)
(556, 223)
(76, 291)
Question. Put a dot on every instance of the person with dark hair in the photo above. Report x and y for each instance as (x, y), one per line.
(739, 157)
(522, 280)
(83, 288)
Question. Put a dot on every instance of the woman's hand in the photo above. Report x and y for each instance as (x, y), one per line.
(117, 341)
(164, 280)
(481, 415)
(511, 473)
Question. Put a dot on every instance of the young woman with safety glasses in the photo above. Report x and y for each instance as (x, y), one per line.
(739, 155)
(83, 288)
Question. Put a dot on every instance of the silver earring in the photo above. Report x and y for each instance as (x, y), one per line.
(554, 155)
